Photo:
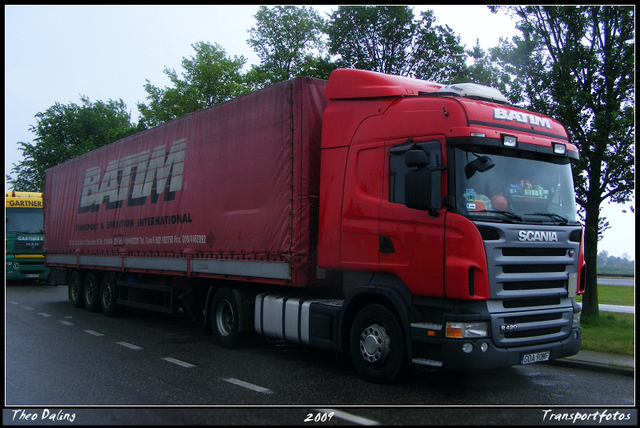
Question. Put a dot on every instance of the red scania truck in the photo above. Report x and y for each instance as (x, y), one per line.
(400, 221)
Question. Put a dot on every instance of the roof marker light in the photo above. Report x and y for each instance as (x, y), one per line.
(509, 141)
(559, 148)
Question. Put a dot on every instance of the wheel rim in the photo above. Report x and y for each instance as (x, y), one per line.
(106, 296)
(75, 290)
(90, 291)
(374, 343)
(225, 318)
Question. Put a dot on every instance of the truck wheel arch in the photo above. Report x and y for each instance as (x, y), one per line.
(391, 293)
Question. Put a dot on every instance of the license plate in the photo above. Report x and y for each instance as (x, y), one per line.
(31, 275)
(535, 358)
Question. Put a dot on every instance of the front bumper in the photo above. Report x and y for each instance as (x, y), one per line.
(455, 358)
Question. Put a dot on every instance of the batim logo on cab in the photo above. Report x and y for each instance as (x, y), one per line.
(133, 178)
(521, 117)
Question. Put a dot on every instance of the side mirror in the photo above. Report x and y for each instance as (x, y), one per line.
(417, 189)
(416, 158)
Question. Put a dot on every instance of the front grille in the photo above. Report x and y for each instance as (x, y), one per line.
(528, 284)
(532, 333)
(527, 303)
(30, 246)
(534, 252)
(533, 268)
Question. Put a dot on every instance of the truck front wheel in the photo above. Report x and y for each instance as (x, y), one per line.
(377, 344)
(224, 318)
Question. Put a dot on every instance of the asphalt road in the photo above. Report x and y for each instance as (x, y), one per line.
(70, 360)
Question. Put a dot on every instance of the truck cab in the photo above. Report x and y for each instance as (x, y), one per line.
(455, 212)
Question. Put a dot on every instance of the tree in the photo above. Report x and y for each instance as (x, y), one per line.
(579, 68)
(208, 78)
(485, 71)
(388, 39)
(63, 132)
(437, 54)
(286, 39)
(376, 38)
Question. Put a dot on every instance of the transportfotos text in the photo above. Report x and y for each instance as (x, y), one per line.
(598, 416)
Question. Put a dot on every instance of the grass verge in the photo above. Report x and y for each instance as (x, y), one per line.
(612, 333)
(614, 295)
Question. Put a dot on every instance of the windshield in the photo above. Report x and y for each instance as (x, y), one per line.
(24, 220)
(514, 186)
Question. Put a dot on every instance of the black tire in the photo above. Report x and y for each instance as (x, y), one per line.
(76, 289)
(91, 292)
(377, 344)
(109, 295)
(224, 318)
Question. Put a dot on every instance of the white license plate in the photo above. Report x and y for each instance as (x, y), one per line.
(535, 358)
(31, 275)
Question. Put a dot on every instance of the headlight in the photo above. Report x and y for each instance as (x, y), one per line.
(466, 330)
(576, 319)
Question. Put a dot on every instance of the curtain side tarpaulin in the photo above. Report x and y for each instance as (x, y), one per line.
(239, 180)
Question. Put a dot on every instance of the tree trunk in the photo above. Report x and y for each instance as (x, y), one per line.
(590, 296)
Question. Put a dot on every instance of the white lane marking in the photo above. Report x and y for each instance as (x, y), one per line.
(65, 322)
(94, 333)
(349, 417)
(44, 314)
(29, 308)
(129, 345)
(14, 303)
(248, 385)
(178, 362)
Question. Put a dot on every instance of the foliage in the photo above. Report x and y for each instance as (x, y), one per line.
(577, 64)
(63, 132)
(208, 78)
(484, 70)
(285, 39)
(387, 39)
(615, 265)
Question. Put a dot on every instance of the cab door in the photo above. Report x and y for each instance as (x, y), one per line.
(412, 240)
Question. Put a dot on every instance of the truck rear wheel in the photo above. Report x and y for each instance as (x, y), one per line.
(91, 292)
(224, 318)
(108, 295)
(76, 289)
(377, 344)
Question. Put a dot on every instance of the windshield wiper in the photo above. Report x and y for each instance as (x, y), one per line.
(508, 214)
(557, 217)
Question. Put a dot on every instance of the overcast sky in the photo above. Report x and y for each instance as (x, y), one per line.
(58, 53)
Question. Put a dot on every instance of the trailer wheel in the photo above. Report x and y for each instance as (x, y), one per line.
(76, 289)
(377, 344)
(108, 295)
(224, 318)
(91, 292)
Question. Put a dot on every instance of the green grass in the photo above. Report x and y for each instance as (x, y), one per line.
(612, 333)
(614, 295)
